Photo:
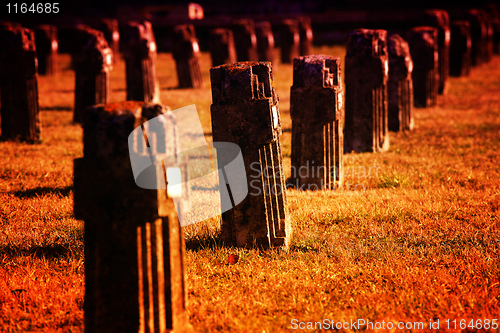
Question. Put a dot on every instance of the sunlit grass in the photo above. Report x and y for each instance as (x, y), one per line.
(413, 235)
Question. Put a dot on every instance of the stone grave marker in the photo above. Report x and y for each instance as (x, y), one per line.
(317, 110)
(245, 112)
(366, 107)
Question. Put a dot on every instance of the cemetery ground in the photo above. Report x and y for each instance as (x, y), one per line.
(414, 235)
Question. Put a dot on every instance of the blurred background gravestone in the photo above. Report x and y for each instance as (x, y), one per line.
(109, 27)
(441, 21)
(400, 84)
(186, 50)
(306, 35)
(366, 76)
(20, 112)
(92, 63)
(289, 40)
(424, 53)
(222, 48)
(245, 40)
(460, 48)
(316, 109)
(265, 43)
(46, 48)
(140, 62)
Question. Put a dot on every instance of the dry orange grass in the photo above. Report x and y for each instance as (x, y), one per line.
(413, 237)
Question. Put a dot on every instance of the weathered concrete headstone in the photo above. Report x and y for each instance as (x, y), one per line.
(245, 112)
(20, 115)
(478, 32)
(289, 40)
(440, 20)
(366, 76)
(423, 49)
(186, 50)
(245, 40)
(46, 49)
(134, 246)
(110, 29)
(306, 35)
(490, 35)
(265, 42)
(496, 36)
(92, 62)
(139, 53)
(400, 84)
(460, 48)
(317, 110)
(222, 48)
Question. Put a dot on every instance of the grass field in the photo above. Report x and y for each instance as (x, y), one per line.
(413, 237)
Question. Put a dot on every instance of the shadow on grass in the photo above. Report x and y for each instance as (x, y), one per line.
(43, 252)
(41, 191)
(197, 242)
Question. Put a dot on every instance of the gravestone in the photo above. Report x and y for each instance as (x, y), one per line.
(478, 34)
(489, 43)
(400, 84)
(440, 20)
(134, 246)
(460, 48)
(289, 40)
(366, 76)
(186, 50)
(265, 42)
(222, 48)
(139, 53)
(245, 40)
(423, 49)
(316, 109)
(46, 49)
(496, 36)
(92, 63)
(20, 112)
(245, 112)
(109, 27)
(306, 35)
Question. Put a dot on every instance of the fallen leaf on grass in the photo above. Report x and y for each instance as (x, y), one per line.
(232, 259)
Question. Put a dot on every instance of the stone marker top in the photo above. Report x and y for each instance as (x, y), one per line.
(458, 23)
(397, 46)
(399, 55)
(18, 42)
(185, 31)
(427, 35)
(222, 33)
(424, 29)
(242, 81)
(46, 28)
(364, 42)
(139, 39)
(316, 71)
(94, 54)
(438, 17)
(263, 25)
(107, 127)
(290, 23)
(16, 37)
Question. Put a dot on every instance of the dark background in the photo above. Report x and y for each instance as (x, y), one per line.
(114, 8)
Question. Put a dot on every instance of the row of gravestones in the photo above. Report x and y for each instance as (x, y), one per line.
(134, 246)
(245, 111)
(471, 42)
(93, 56)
